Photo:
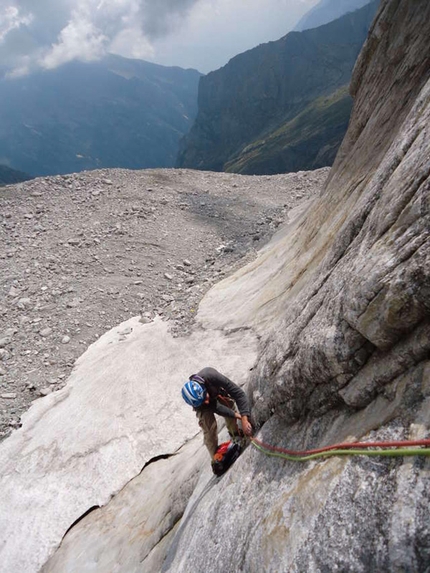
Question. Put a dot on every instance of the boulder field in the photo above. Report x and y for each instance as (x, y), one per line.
(328, 329)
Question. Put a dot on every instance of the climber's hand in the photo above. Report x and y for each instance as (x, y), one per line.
(246, 426)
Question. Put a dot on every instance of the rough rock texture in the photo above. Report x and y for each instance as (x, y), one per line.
(340, 300)
(351, 280)
(133, 531)
(348, 357)
(80, 253)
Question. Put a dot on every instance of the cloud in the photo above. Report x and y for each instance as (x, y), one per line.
(11, 19)
(131, 43)
(49, 33)
(160, 17)
(57, 31)
(80, 39)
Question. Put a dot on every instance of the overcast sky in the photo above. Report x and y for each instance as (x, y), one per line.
(202, 34)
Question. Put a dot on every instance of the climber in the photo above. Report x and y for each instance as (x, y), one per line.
(210, 393)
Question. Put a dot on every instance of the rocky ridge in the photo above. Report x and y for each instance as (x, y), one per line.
(10, 176)
(263, 91)
(327, 10)
(114, 112)
(83, 252)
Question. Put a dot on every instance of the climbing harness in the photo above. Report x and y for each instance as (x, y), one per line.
(388, 449)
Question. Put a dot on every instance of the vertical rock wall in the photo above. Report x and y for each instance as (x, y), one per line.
(362, 318)
(344, 296)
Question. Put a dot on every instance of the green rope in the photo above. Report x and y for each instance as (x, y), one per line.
(388, 453)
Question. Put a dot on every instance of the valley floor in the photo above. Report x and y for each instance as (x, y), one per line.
(81, 253)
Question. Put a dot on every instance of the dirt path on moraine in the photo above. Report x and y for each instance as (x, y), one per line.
(81, 253)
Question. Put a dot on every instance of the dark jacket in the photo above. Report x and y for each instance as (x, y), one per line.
(219, 386)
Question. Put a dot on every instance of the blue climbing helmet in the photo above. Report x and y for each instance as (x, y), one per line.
(193, 393)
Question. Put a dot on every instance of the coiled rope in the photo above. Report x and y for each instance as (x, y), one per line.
(388, 449)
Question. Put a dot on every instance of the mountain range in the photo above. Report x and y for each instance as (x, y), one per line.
(9, 176)
(113, 113)
(326, 11)
(282, 106)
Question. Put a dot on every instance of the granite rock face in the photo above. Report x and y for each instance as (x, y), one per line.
(340, 301)
(133, 531)
(346, 291)
(367, 300)
(81, 446)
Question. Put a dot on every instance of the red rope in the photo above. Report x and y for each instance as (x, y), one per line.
(344, 446)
